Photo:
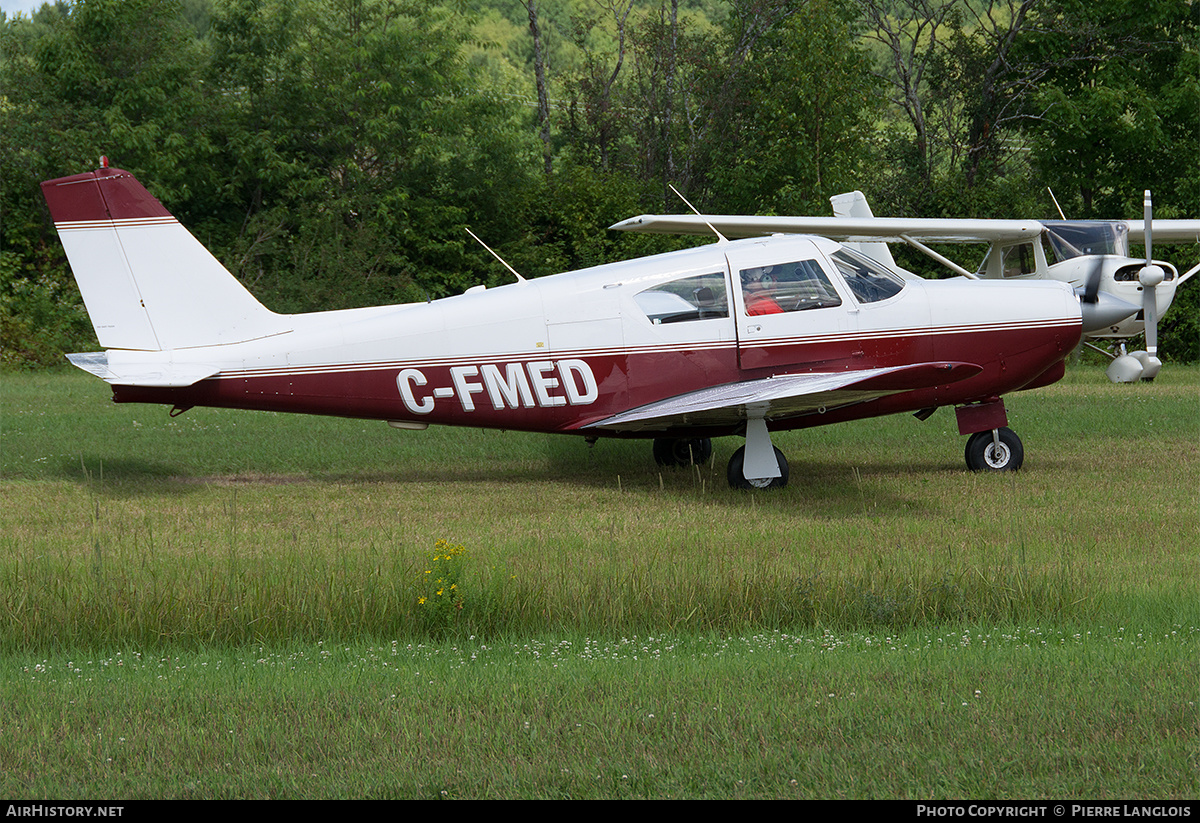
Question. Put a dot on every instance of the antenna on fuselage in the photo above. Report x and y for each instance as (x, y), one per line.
(720, 236)
(1055, 199)
(516, 273)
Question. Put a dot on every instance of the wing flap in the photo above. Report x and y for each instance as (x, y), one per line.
(784, 396)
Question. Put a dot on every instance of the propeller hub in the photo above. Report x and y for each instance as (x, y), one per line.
(1150, 276)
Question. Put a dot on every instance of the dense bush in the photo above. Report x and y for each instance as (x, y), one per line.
(331, 152)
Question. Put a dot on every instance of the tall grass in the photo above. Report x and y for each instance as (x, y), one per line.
(123, 525)
(140, 586)
(229, 604)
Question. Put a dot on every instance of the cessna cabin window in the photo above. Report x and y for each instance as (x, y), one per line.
(787, 287)
(870, 281)
(1015, 261)
(700, 297)
(1019, 261)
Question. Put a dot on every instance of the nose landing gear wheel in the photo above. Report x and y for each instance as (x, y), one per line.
(984, 454)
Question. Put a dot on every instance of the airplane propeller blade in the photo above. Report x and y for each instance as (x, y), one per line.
(1091, 289)
(1150, 276)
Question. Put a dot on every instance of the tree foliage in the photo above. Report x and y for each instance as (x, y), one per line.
(1120, 105)
(789, 132)
(77, 86)
(331, 152)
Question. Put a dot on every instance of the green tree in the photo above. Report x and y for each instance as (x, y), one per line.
(76, 86)
(794, 115)
(1120, 109)
(363, 145)
(766, 111)
(1119, 113)
(958, 79)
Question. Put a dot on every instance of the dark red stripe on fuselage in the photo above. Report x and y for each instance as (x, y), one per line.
(1011, 358)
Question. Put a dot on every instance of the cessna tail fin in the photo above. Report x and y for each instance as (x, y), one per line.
(854, 204)
(147, 283)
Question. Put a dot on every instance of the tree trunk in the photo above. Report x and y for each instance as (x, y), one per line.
(539, 73)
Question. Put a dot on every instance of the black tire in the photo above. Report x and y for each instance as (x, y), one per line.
(737, 476)
(682, 451)
(982, 455)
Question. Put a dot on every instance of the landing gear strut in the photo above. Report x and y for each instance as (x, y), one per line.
(737, 476)
(758, 464)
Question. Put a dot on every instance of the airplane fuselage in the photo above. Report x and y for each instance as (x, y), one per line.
(744, 337)
(560, 353)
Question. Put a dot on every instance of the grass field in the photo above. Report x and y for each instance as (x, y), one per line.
(234, 604)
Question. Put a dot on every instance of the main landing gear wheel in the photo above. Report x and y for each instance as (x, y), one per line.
(737, 476)
(983, 454)
(682, 451)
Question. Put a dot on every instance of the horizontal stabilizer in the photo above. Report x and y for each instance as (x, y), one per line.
(783, 396)
(142, 373)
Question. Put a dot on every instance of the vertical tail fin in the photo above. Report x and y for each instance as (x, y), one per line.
(147, 283)
(854, 204)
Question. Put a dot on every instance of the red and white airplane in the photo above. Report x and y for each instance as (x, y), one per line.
(733, 338)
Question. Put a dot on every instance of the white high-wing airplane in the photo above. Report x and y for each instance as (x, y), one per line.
(734, 338)
(1069, 251)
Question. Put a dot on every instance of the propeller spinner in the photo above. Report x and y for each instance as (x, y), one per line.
(1100, 308)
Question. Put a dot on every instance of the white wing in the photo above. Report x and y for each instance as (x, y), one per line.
(783, 396)
(840, 228)
(859, 229)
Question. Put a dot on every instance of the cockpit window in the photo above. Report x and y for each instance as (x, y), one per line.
(869, 280)
(1079, 237)
(700, 297)
(787, 287)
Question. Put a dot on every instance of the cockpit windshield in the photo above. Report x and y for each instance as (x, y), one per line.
(1077, 237)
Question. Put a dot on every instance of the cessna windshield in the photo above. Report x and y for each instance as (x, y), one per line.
(1077, 238)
